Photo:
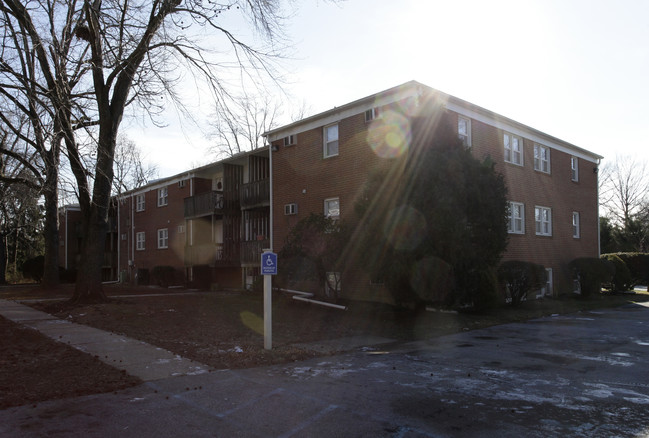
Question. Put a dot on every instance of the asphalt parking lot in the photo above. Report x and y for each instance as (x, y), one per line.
(579, 375)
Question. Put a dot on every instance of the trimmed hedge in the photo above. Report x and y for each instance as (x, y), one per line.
(638, 264)
(591, 272)
(519, 278)
(621, 280)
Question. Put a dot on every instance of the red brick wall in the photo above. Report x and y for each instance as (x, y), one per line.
(301, 175)
(149, 221)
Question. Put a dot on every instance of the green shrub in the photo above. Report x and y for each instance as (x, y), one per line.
(638, 264)
(432, 279)
(591, 272)
(621, 280)
(163, 275)
(487, 296)
(519, 278)
(33, 268)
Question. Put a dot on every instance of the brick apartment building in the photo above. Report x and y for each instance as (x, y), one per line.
(212, 222)
(209, 224)
(321, 163)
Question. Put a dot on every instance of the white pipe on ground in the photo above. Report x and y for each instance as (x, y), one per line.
(305, 296)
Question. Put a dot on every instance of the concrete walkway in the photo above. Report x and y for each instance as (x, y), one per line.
(135, 357)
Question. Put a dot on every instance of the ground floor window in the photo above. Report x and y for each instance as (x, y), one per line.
(332, 284)
(139, 241)
(163, 238)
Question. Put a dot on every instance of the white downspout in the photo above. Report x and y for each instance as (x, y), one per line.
(599, 242)
(119, 241)
(132, 276)
(270, 165)
(66, 239)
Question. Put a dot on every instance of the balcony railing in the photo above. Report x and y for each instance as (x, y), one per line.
(213, 254)
(251, 251)
(203, 204)
(255, 194)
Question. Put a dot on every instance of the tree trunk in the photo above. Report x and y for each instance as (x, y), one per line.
(3, 258)
(51, 266)
(88, 287)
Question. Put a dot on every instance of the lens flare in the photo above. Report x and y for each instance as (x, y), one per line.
(389, 135)
(405, 228)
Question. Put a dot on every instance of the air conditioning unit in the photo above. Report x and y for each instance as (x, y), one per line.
(290, 209)
(217, 184)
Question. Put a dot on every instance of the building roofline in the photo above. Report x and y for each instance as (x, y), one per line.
(191, 172)
(452, 102)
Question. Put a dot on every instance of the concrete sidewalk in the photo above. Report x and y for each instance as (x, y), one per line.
(135, 357)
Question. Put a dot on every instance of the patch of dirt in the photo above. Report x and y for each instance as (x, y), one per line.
(220, 329)
(34, 368)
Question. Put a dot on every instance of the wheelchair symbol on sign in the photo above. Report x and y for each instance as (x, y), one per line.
(269, 263)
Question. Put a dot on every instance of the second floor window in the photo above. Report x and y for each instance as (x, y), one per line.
(163, 197)
(516, 218)
(543, 219)
(464, 130)
(576, 232)
(331, 141)
(541, 158)
(513, 148)
(139, 202)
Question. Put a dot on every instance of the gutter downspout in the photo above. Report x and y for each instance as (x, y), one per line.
(270, 219)
(119, 240)
(132, 264)
(599, 242)
(66, 239)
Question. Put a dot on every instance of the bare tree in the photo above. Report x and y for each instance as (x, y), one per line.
(95, 58)
(624, 185)
(239, 125)
(130, 170)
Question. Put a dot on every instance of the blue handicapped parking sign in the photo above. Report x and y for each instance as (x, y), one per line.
(269, 263)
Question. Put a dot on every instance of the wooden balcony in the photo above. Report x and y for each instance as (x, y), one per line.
(255, 194)
(213, 254)
(251, 251)
(203, 204)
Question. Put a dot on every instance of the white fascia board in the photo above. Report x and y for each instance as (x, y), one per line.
(410, 89)
(525, 132)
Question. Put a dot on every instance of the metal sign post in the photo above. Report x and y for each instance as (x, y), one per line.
(268, 269)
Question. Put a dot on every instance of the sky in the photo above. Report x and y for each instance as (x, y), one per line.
(576, 70)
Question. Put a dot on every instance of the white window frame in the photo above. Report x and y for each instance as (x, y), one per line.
(371, 114)
(328, 142)
(335, 278)
(163, 196)
(139, 202)
(516, 223)
(543, 220)
(546, 290)
(163, 238)
(466, 136)
(289, 140)
(542, 158)
(576, 225)
(328, 209)
(181, 229)
(514, 156)
(574, 168)
(140, 241)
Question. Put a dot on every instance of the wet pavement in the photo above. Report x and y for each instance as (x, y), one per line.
(578, 375)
